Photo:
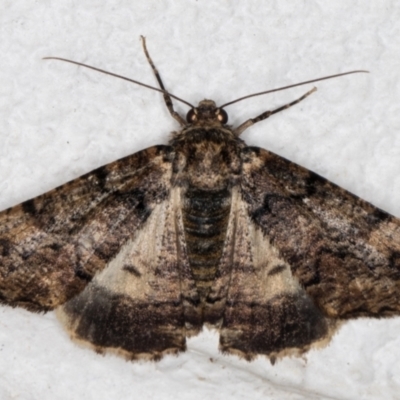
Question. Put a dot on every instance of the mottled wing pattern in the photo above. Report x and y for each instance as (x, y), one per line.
(144, 303)
(264, 309)
(52, 246)
(320, 254)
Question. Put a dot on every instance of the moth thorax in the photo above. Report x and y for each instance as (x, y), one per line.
(207, 113)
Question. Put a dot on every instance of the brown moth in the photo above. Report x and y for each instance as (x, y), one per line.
(141, 253)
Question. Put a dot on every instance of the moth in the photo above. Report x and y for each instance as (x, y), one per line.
(139, 254)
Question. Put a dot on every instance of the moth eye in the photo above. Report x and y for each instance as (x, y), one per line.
(191, 116)
(222, 116)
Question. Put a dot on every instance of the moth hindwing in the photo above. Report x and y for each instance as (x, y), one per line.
(141, 253)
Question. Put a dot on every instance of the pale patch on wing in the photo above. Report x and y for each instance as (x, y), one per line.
(136, 270)
(258, 262)
(250, 266)
(140, 304)
(266, 309)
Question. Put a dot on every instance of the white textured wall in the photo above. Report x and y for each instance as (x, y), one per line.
(58, 121)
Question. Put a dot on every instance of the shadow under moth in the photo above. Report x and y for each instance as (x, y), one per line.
(139, 254)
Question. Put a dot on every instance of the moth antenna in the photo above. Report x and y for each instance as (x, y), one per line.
(292, 86)
(166, 95)
(165, 92)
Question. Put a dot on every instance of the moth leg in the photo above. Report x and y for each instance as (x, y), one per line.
(166, 95)
(241, 128)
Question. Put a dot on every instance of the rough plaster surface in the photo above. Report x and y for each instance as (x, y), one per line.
(59, 121)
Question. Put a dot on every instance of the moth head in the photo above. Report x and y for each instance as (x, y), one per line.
(207, 113)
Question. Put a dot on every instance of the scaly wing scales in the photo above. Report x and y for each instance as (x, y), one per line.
(301, 255)
(344, 251)
(52, 246)
(263, 308)
(142, 304)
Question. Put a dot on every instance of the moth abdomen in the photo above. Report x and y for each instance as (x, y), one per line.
(205, 220)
